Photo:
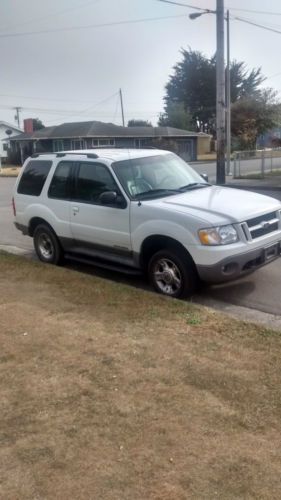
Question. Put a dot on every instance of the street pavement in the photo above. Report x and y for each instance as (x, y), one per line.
(260, 290)
(247, 167)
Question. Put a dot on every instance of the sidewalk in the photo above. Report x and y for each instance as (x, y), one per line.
(271, 183)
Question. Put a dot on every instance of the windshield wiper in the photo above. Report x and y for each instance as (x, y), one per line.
(194, 185)
(158, 191)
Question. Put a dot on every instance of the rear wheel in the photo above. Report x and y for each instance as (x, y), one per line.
(46, 245)
(173, 273)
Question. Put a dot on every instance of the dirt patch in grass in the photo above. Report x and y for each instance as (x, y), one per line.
(108, 392)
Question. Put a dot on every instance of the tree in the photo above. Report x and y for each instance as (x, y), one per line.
(193, 84)
(139, 123)
(37, 124)
(176, 116)
(252, 116)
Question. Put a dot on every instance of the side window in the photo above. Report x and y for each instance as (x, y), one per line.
(34, 177)
(93, 179)
(60, 184)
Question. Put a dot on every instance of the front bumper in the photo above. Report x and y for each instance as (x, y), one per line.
(239, 265)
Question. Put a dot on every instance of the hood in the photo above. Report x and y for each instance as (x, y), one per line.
(234, 204)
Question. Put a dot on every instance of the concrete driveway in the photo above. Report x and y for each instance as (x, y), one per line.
(260, 291)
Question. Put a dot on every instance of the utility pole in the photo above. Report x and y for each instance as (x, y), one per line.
(17, 116)
(220, 104)
(228, 98)
(122, 109)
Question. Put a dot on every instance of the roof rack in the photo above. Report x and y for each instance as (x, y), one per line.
(89, 155)
(60, 155)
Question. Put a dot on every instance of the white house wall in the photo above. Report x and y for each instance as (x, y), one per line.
(3, 135)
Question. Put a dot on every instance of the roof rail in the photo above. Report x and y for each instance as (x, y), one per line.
(61, 154)
(35, 155)
(89, 155)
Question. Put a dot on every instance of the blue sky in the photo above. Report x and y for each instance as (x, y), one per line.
(65, 75)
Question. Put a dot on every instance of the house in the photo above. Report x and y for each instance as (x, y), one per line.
(93, 134)
(6, 131)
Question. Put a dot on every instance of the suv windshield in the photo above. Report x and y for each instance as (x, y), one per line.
(156, 176)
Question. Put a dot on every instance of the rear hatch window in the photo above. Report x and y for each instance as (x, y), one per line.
(34, 177)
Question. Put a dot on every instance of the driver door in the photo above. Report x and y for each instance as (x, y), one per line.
(93, 225)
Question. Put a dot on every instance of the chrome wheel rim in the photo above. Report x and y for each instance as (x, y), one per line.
(45, 246)
(167, 276)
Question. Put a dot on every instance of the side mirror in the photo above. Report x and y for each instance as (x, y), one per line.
(112, 198)
(205, 177)
(108, 198)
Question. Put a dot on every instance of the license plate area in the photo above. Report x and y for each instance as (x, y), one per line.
(271, 252)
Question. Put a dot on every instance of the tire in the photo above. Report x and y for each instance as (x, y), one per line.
(173, 273)
(46, 245)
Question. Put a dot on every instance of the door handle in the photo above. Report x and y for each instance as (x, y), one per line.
(75, 210)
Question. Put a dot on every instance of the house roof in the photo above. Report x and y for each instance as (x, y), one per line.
(9, 125)
(100, 129)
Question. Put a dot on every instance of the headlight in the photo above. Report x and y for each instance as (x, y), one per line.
(222, 235)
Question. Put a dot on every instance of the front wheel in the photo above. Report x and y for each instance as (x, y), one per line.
(46, 245)
(172, 273)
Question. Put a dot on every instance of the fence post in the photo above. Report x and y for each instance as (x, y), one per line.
(239, 158)
(234, 165)
(262, 164)
(271, 161)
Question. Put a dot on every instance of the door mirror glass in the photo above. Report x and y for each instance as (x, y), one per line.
(109, 198)
(205, 177)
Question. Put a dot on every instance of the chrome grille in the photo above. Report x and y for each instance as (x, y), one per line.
(262, 225)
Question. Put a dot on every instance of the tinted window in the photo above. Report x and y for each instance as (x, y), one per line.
(93, 179)
(33, 177)
(60, 184)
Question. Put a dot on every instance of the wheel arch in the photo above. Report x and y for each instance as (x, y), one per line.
(36, 221)
(157, 242)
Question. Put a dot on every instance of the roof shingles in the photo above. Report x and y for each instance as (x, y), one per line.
(100, 129)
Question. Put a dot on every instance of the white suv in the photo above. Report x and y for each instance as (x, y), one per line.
(144, 211)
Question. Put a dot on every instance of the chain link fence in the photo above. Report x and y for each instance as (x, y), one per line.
(256, 164)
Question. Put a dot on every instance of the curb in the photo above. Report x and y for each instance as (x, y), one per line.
(238, 312)
(8, 176)
(242, 313)
(17, 251)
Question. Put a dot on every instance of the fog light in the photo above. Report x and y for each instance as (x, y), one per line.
(230, 268)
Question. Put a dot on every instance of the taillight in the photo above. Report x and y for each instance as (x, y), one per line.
(14, 207)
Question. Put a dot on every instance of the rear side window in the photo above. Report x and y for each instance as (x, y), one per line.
(34, 177)
(60, 184)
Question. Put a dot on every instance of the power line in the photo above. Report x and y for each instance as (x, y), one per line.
(64, 112)
(256, 11)
(184, 5)
(58, 13)
(43, 98)
(270, 13)
(89, 26)
(252, 23)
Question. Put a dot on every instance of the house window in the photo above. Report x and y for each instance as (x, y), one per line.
(5, 147)
(58, 145)
(77, 144)
(102, 142)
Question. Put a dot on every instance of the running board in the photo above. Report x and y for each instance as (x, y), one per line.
(103, 264)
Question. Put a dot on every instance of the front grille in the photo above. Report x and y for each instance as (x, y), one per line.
(261, 218)
(262, 225)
